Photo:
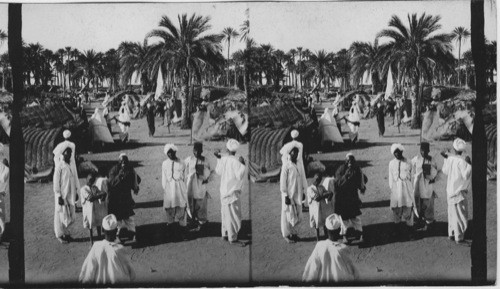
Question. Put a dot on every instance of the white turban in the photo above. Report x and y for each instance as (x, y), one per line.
(397, 146)
(66, 134)
(333, 222)
(294, 133)
(109, 223)
(232, 145)
(168, 147)
(459, 144)
(349, 154)
(122, 155)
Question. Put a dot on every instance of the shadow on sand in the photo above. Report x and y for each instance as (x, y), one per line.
(376, 204)
(105, 166)
(157, 234)
(347, 146)
(149, 205)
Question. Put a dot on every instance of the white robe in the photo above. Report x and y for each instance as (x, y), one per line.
(65, 187)
(232, 172)
(319, 210)
(422, 188)
(174, 187)
(92, 212)
(124, 116)
(195, 187)
(106, 263)
(58, 158)
(329, 262)
(400, 183)
(291, 187)
(285, 157)
(4, 182)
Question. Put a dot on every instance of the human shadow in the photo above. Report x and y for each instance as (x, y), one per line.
(149, 235)
(347, 146)
(376, 204)
(384, 233)
(402, 135)
(148, 205)
(331, 166)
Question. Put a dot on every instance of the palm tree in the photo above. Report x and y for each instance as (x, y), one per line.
(229, 34)
(111, 68)
(89, 67)
(319, 66)
(417, 49)
(134, 59)
(365, 57)
(245, 36)
(186, 49)
(68, 50)
(293, 53)
(460, 34)
(3, 36)
(342, 62)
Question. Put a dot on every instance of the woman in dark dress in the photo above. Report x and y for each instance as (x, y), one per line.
(380, 119)
(150, 117)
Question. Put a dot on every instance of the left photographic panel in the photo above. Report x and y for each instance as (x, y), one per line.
(134, 122)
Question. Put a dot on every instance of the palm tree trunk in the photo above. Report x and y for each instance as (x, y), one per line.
(459, 47)
(16, 153)
(227, 73)
(415, 103)
(186, 124)
(479, 154)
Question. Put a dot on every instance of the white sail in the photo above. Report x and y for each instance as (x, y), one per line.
(390, 84)
(159, 85)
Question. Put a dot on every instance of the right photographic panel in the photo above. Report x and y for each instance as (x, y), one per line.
(373, 142)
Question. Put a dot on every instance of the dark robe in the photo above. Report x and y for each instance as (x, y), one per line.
(381, 120)
(121, 184)
(150, 117)
(347, 183)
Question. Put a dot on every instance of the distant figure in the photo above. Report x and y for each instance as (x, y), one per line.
(122, 180)
(380, 119)
(95, 206)
(150, 118)
(4, 183)
(330, 261)
(232, 172)
(198, 175)
(402, 199)
(107, 262)
(321, 204)
(175, 198)
(398, 111)
(124, 121)
(425, 172)
(349, 179)
(353, 121)
(291, 196)
(459, 171)
(65, 191)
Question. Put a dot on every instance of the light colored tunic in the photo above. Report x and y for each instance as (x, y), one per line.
(400, 183)
(232, 172)
(329, 262)
(459, 180)
(106, 263)
(174, 187)
(285, 157)
(4, 182)
(93, 212)
(422, 188)
(195, 186)
(58, 158)
(319, 211)
(65, 187)
(291, 186)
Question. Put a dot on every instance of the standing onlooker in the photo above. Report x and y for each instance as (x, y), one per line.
(150, 118)
(65, 191)
(95, 206)
(459, 170)
(425, 172)
(380, 119)
(4, 182)
(175, 198)
(122, 180)
(232, 172)
(291, 195)
(321, 204)
(402, 199)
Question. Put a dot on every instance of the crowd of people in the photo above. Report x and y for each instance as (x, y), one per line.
(108, 203)
(335, 205)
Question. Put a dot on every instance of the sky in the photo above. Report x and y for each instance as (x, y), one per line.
(313, 25)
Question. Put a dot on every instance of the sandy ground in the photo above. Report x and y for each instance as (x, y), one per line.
(206, 259)
(429, 260)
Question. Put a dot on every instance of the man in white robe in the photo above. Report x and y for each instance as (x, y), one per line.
(330, 261)
(65, 190)
(285, 156)
(175, 198)
(425, 169)
(107, 262)
(198, 174)
(459, 170)
(232, 172)
(402, 199)
(291, 197)
(124, 121)
(58, 150)
(4, 182)
(321, 204)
